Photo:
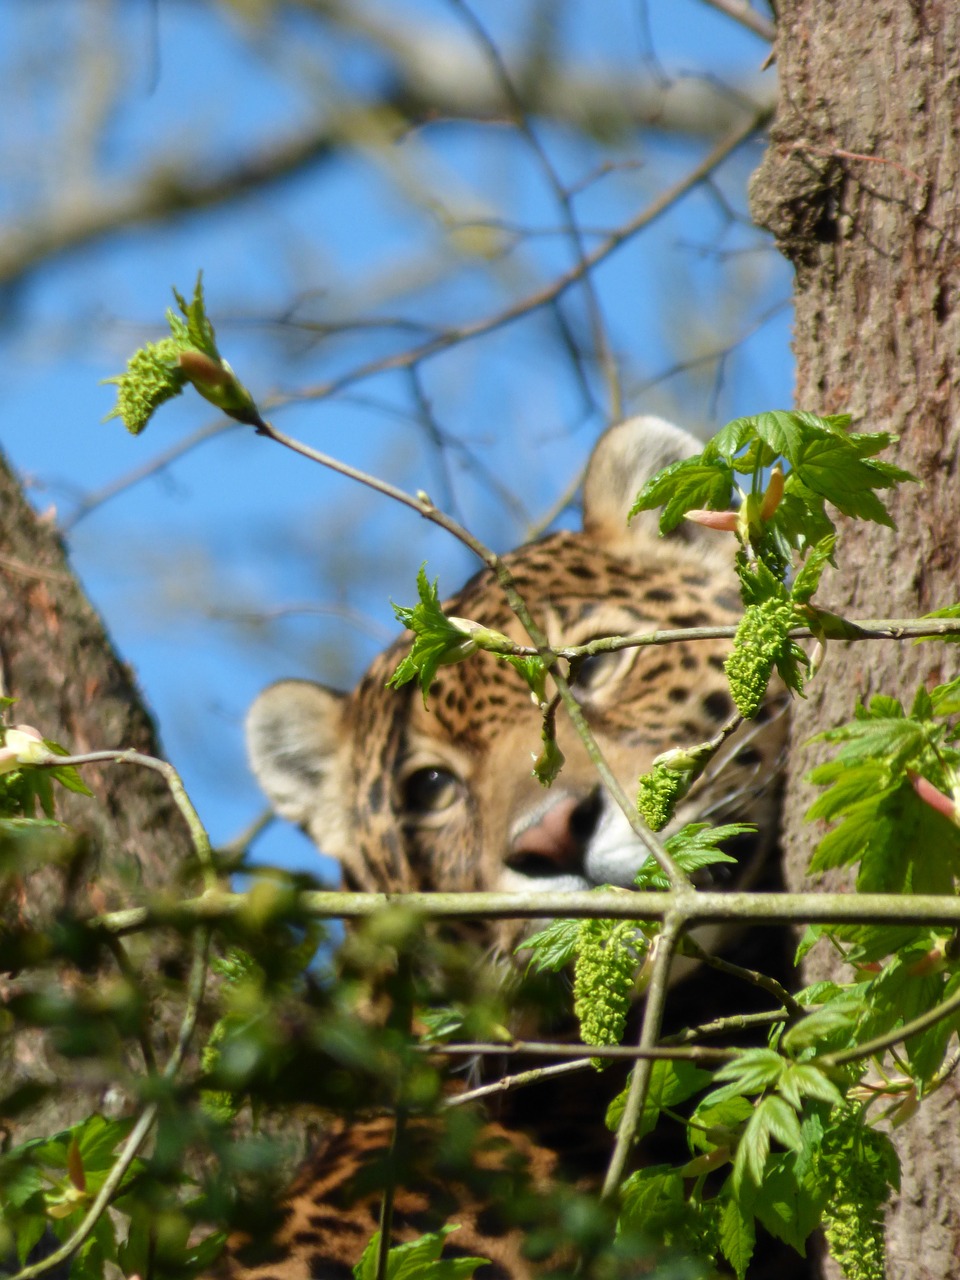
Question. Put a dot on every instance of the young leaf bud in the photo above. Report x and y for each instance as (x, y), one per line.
(724, 520)
(930, 795)
(771, 499)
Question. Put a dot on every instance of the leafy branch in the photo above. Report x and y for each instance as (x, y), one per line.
(781, 1116)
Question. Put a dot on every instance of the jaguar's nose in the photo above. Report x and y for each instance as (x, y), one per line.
(555, 842)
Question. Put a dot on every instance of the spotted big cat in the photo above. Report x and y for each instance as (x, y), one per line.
(440, 796)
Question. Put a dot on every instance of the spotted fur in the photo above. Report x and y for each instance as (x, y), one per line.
(443, 798)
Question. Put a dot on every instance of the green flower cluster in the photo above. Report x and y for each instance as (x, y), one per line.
(853, 1219)
(760, 644)
(603, 979)
(657, 793)
(153, 376)
(673, 774)
(158, 371)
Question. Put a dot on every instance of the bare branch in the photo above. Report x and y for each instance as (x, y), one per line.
(743, 12)
(556, 288)
(547, 1049)
(171, 188)
(699, 907)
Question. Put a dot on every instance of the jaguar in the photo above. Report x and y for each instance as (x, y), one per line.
(440, 795)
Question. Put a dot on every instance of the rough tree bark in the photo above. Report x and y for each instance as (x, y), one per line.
(861, 188)
(57, 660)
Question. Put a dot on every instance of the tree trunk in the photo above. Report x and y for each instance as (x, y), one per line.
(57, 661)
(861, 188)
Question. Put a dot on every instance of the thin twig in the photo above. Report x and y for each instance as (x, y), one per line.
(837, 153)
(163, 460)
(547, 1049)
(455, 336)
(753, 976)
(653, 1010)
(198, 834)
(23, 570)
(601, 342)
(426, 508)
(864, 629)
(558, 287)
(723, 1026)
(521, 1080)
(747, 16)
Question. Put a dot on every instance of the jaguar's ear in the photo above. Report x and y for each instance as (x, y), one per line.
(624, 459)
(295, 741)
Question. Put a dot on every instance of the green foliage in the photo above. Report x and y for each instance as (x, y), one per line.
(418, 1260)
(553, 947)
(437, 641)
(781, 1137)
(158, 371)
(816, 462)
(670, 1084)
(24, 785)
(824, 461)
(440, 640)
(890, 791)
(51, 1183)
(692, 848)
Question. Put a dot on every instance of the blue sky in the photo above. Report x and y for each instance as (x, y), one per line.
(238, 527)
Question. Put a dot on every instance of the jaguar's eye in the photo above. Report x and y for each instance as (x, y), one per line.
(430, 790)
(594, 671)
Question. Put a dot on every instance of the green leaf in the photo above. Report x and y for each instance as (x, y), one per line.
(830, 467)
(882, 823)
(159, 371)
(945, 698)
(750, 1072)
(69, 778)
(670, 1084)
(737, 1235)
(532, 669)
(810, 572)
(654, 1208)
(773, 1117)
(693, 483)
(692, 848)
(820, 1029)
(790, 1199)
(718, 1124)
(803, 1080)
(553, 947)
(418, 1260)
(198, 331)
(781, 1120)
(437, 641)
